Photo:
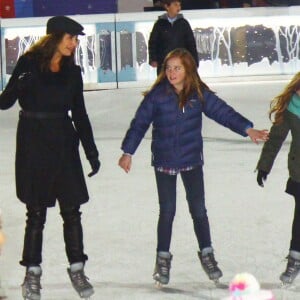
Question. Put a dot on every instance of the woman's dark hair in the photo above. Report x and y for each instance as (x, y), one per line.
(45, 48)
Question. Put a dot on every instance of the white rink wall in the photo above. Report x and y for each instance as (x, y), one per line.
(233, 44)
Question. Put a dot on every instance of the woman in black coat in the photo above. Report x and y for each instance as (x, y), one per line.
(53, 119)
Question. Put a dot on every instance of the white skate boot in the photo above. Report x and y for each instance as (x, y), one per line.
(31, 286)
(80, 281)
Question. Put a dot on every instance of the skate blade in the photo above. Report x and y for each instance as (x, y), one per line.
(29, 297)
(86, 295)
(220, 285)
(287, 285)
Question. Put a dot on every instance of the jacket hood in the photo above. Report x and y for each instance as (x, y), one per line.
(165, 16)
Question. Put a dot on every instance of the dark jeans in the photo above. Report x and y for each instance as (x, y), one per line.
(295, 242)
(33, 240)
(194, 188)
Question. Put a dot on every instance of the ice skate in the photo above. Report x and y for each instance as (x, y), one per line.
(31, 286)
(292, 269)
(210, 265)
(162, 268)
(80, 283)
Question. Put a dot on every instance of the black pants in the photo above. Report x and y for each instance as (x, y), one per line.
(295, 241)
(33, 240)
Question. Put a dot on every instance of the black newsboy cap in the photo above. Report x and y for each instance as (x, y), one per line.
(60, 24)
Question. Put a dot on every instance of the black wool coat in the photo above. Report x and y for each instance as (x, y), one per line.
(48, 165)
(166, 37)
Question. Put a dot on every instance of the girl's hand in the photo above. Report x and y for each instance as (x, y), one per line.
(125, 162)
(257, 135)
(2, 239)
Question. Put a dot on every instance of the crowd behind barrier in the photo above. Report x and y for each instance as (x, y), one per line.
(208, 4)
(231, 43)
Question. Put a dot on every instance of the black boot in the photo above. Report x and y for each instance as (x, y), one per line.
(80, 281)
(292, 268)
(162, 267)
(209, 264)
(32, 284)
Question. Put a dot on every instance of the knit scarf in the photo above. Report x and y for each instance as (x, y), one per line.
(294, 105)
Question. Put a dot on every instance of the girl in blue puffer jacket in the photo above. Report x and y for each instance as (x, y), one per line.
(174, 107)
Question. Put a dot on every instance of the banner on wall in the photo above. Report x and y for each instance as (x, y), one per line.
(7, 9)
(23, 8)
(73, 7)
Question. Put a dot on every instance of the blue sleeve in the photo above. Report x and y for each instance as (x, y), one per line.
(138, 126)
(218, 110)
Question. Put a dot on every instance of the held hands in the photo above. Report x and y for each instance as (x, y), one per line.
(261, 177)
(95, 165)
(256, 135)
(125, 162)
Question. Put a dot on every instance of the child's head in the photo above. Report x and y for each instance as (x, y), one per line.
(172, 7)
(181, 62)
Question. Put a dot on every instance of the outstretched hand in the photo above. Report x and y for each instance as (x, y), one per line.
(125, 162)
(257, 135)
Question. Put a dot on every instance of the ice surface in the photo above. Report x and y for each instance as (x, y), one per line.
(250, 225)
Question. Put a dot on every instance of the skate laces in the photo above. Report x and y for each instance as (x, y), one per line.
(32, 282)
(164, 265)
(292, 267)
(80, 280)
(209, 262)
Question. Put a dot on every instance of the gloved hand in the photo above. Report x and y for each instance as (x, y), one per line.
(95, 165)
(24, 82)
(261, 177)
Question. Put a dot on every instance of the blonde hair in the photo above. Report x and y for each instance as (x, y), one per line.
(279, 103)
(193, 82)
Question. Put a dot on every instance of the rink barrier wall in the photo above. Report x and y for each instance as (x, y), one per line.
(260, 43)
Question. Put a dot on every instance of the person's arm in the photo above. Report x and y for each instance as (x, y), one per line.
(218, 110)
(277, 136)
(10, 95)
(83, 126)
(191, 43)
(134, 135)
(153, 43)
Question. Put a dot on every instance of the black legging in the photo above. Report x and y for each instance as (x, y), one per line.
(295, 241)
(33, 240)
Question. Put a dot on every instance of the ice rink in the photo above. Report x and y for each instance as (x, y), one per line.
(250, 225)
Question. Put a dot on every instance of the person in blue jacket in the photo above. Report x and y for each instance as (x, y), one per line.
(174, 106)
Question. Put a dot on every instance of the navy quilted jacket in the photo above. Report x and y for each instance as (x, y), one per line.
(176, 133)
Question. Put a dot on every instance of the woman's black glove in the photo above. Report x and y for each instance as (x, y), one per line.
(95, 165)
(24, 82)
(261, 177)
